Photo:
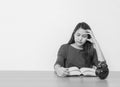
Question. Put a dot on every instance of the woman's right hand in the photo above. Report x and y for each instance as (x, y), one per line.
(61, 71)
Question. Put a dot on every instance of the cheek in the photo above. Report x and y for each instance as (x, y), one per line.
(75, 37)
(85, 39)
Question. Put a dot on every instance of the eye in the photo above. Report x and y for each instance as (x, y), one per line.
(85, 35)
(78, 34)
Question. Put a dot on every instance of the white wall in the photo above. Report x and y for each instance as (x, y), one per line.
(31, 31)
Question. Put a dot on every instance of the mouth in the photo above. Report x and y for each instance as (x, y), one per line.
(80, 42)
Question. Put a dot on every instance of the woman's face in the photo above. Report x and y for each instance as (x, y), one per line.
(80, 37)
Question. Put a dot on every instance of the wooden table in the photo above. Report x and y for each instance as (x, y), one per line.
(49, 79)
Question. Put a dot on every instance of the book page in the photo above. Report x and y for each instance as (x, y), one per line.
(74, 71)
(88, 71)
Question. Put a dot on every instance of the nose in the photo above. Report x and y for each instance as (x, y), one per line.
(80, 38)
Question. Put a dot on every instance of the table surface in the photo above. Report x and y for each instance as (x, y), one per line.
(49, 79)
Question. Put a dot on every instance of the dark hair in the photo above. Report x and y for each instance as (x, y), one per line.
(82, 25)
(87, 46)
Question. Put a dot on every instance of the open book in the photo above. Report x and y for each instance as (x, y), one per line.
(74, 71)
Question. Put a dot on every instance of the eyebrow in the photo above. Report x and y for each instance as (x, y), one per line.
(82, 34)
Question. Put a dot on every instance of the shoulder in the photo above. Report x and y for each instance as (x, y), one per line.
(64, 46)
(63, 49)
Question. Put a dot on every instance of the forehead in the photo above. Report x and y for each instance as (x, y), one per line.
(81, 31)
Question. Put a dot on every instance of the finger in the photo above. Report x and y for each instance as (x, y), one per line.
(65, 73)
(65, 69)
(89, 40)
(88, 31)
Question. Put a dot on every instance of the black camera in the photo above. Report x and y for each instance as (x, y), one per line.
(102, 70)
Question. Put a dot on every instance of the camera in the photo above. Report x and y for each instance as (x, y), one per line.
(102, 70)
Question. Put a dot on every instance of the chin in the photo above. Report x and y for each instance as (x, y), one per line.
(79, 44)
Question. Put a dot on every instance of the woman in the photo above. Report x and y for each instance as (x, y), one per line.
(82, 50)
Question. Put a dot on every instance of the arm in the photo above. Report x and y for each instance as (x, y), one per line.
(96, 46)
(61, 71)
(60, 62)
(99, 51)
(102, 70)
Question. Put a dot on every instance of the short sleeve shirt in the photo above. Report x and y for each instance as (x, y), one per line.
(68, 56)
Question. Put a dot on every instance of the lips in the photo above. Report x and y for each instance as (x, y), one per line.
(80, 42)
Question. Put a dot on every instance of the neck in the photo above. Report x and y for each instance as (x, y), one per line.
(76, 46)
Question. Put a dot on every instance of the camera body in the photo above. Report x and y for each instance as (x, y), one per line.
(102, 70)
